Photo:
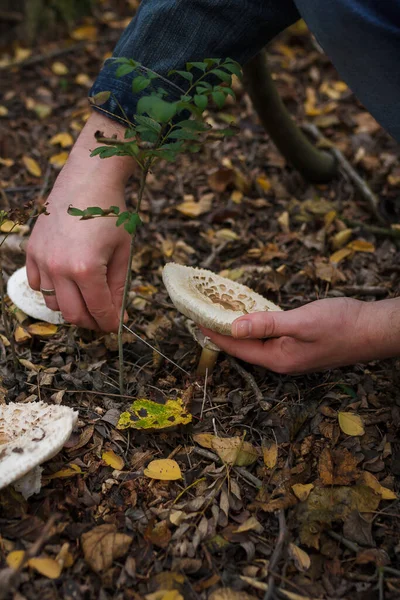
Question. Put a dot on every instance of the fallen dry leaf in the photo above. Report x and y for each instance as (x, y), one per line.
(193, 209)
(361, 246)
(300, 558)
(302, 490)
(371, 481)
(86, 32)
(102, 545)
(64, 139)
(59, 68)
(350, 423)
(32, 166)
(113, 460)
(49, 567)
(234, 451)
(163, 469)
(59, 160)
(44, 330)
(270, 454)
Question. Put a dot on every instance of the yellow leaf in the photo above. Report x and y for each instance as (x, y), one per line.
(236, 196)
(32, 166)
(9, 227)
(341, 238)
(361, 246)
(264, 183)
(87, 32)
(64, 139)
(300, 558)
(21, 54)
(6, 162)
(204, 439)
(59, 68)
(3, 111)
(340, 255)
(29, 365)
(234, 451)
(270, 454)
(15, 558)
(329, 218)
(44, 330)
(113, 460)
(251, 524)
(350, 423)
(302, 490)
(67, 472)
(164, 595)
(163, 469)
(226, 235)
(83, 79)
(21, 335)
(372, 482)
(283, 221)
(59, 160)
(193, 209)
(146, 414)
(48, 567)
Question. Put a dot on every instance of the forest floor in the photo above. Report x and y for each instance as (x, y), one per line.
(310, 517)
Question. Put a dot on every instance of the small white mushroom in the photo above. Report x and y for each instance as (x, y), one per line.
(30, 302)
(30, 434)
(211, 300)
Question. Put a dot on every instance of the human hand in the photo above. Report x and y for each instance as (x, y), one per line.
(84, 261)
(323, 334)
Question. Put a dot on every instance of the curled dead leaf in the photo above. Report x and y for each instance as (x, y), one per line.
(102, 545)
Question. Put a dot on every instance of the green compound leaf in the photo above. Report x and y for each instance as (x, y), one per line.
(157, 108)
(75, 212)
(201, 102)
(140, 83)
(146, 414)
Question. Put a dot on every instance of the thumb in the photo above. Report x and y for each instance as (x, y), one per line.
(269, 324)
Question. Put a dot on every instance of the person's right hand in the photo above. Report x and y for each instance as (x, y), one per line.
(84, 261)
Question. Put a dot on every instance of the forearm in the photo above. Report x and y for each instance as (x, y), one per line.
(379, 327)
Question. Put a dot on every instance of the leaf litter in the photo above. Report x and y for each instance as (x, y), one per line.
(189, 510)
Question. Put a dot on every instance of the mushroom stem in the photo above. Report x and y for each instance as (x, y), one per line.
(207, 361)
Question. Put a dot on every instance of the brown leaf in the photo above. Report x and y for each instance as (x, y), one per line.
(302, 491)
(300, 558)
(44, 330)
(270, 454)
(337, 467)
(191, 208)
(102, 545)
(234, 451)
(230, 594)
(158, 534)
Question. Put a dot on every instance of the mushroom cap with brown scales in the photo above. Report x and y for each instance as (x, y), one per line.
(209, 299)
(30, 434)
(30, 302)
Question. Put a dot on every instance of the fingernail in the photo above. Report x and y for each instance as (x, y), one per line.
(243, 329)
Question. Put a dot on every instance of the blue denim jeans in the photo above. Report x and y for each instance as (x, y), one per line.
(362, 38)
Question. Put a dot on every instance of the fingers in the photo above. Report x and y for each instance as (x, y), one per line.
(46, 283)
(72, 305)
(116, 274)
(32, 272)
(96, 294)
(270, 324)
(267, 354)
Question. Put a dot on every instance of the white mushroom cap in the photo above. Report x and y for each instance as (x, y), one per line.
(209, 299)
(30, 434)
(30, 302)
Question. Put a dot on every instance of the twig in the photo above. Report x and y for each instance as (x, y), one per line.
(381, 584)
(252, 479)
(30, 553)
(350, 545)
(358, 181)
(33, 60)
(375, 229)
(248, 377)
(11, 15)
(277, 553)
(361, 290)
(155, 350)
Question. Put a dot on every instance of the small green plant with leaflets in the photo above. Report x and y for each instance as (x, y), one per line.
(162, 129)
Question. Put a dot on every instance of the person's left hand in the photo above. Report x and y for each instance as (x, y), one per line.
(323, 334)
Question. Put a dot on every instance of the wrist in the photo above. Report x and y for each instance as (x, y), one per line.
(114, 171)
(380, 328)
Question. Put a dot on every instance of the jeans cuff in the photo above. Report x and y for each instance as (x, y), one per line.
(121, 105)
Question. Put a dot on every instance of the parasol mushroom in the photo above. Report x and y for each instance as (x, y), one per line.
(211, 301)
(30, 302)
(30, 434)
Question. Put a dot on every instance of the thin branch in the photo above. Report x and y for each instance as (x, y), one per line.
(248, 377)
(358, 181)
(277, 554)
